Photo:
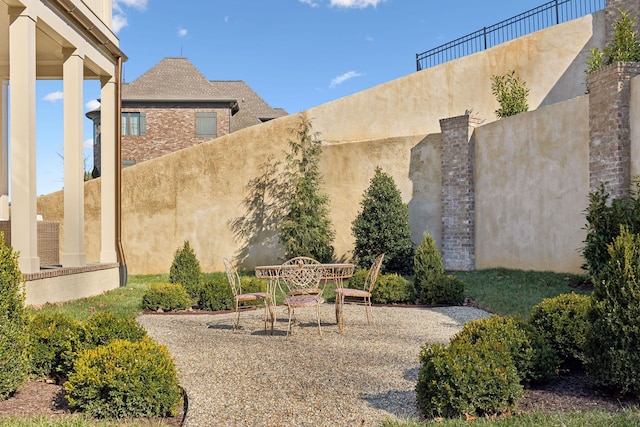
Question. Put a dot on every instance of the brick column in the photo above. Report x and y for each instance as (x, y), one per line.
(609, 135)
(458, 193)
(612, 13)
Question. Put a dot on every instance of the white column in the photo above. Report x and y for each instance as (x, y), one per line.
(73, 76)
(22, 74)
(4, 149)
(108, 252)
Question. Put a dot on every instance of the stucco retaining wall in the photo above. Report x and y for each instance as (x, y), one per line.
(532, 185)
(195, 193)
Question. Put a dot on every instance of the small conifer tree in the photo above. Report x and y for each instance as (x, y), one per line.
(186, 270)
(382, 226)
(306, 229)
(612, 354)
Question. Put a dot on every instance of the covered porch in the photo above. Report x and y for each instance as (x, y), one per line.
(71, 41)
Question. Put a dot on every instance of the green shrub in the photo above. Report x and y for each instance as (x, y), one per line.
(14, 361)
(124, 379)
(391, 288)
(604, 217)
(382, 226)
(511, 93)
(166, 297)
(562, 321)
(357, 280)
(216, 294)
(55, 339)
(185, 269)
(624, 46)
(612, 353)
(476, 379)
(534, 360)
(104, 327)
(431, 284)
(428, 268)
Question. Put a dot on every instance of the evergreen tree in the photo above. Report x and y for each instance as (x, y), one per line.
(306, 229)
(383, 226)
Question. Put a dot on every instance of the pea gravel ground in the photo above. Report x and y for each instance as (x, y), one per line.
(249, 377)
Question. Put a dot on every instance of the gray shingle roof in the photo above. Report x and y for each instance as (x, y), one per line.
(171, 79)
(177, 79)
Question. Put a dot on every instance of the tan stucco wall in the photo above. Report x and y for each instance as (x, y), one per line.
(194, 193)
(551, 62)
(532, 184)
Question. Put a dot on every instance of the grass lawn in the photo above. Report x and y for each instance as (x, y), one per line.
(500, 291)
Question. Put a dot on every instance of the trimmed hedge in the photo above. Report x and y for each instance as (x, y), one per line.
(476, 379)
(124, 379)
(166, 297)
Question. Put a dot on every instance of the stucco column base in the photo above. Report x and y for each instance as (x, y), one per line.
(74, 260)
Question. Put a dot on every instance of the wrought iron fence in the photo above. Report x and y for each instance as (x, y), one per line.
(546, 15)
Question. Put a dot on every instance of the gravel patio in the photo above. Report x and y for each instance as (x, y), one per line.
(251, 378)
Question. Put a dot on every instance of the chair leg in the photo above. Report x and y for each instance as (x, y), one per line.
(289, 325)
(367, 308)
(318, 314)
(236, 318)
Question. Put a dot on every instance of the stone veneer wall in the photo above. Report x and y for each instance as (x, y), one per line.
(609, 136)
(458, 192)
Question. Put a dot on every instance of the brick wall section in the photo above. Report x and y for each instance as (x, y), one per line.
(609, 135)
(612, 13)
(458, 192)
(168, 130)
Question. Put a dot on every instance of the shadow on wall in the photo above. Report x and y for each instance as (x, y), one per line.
(425, 172)
(263, 204)
(575, 75)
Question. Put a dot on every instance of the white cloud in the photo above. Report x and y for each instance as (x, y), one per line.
(182, 32)
(88, 143)
(118, 22)
(343, 78)
(310, 3)
(136, 4)
(94, 104)
(53, 96)
(355, 4)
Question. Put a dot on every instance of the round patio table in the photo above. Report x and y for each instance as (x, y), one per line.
(335, 273)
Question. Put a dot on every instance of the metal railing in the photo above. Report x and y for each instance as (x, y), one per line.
(546, 15)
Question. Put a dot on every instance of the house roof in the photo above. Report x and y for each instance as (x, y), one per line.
(172, 79)
(177, 79)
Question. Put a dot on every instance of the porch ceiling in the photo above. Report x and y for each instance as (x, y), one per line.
(50, 50)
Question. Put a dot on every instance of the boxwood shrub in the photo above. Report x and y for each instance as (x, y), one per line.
(124, 379)
(392, 288)
(55, 340)
(104, 326)
(476, 379)
(166, 297)
(562, 321)
(533, 358)
(216, 294)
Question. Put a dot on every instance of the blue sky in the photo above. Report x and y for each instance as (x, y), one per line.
(295, 54)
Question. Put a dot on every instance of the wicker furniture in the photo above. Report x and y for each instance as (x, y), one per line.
(239, 297)
(358, 296)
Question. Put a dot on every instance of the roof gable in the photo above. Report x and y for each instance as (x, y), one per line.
(171, 79)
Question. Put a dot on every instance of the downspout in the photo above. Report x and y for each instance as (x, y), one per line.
(120, 251)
